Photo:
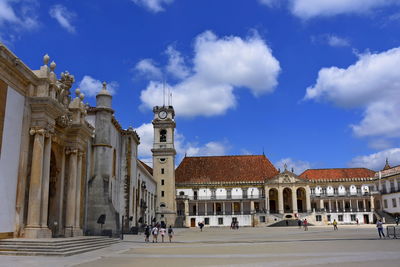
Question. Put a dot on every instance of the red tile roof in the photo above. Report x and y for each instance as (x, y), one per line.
(254, 168)
(339, 173)
(147, 167)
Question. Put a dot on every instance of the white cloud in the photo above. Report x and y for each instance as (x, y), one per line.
(376, 161)
(182, 147)
(147, 68)
(17, 16)
(176, 64)
(146, 134)
(298, 166)
(337, 41)
(91, 86)
(373, 84)
(153, 5)
(331, 40)
(220, 66)
(271, 3)
(63, 16)
(307, 9)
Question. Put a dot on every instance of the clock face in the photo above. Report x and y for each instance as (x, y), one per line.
(162, 114)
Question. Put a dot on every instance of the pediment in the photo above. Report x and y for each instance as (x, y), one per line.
(285, 178)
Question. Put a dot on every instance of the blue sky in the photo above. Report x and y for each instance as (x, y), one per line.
(312, 83)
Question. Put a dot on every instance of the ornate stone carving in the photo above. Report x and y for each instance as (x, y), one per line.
(64, 121)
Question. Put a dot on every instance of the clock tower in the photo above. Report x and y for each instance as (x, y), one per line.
(164, 163)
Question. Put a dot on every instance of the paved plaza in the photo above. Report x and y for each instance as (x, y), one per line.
(279, 246)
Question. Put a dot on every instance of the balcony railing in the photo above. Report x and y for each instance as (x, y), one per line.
(219, 213)
(341, 210)
(219, 197)
(347, 194)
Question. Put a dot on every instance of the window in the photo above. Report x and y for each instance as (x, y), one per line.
(352, 217)
(385, 205)
(340, 218)
(162, 205)
(181, 193)
(207, 221)
(162, 181)
(394, 203)
(163, 135)
(220, 221)
(162, 170)
(162, 193)
(318, 218)
(328, 217)
(262, 219)
(162, 159)
(114, 162)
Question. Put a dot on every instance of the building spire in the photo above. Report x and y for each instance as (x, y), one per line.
(387, 166)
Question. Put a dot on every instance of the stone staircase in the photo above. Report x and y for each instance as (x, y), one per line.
(54, 246)
(389, 218)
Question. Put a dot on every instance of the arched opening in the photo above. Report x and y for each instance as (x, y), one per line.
(181, 208)
(55, 198)
(301, 199)
(163, 135)
(273, 200)
(287, 200)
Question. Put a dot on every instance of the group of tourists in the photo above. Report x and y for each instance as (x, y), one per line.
(158, 229)
(303, 223)
(235, 225)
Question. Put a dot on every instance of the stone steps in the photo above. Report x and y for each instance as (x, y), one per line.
(54, 247)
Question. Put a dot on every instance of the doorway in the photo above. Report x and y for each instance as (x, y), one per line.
(193, 222)
(366, 219)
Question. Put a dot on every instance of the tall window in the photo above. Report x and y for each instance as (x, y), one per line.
(394, 203)
(162, 193)
(114, 163)
(162, 170)
(163, 135)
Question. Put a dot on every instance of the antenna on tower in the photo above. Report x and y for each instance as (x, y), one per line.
(171, 98)
(163, 91)
(169, 92)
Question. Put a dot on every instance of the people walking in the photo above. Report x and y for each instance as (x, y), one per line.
(162, 233)
(397, 219)
(305, 223)
(170, 233)
(299, 223)
(379, 225)
(154, 232)
(357, 221)
(147, 233)
(335, 225)
(201, 225)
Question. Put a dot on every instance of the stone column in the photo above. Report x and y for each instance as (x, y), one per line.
(330, 205)
(45, 181)
(215, 208)
(372, 203)
(205, 208)
(321, 204)
(280, 200)
(308, 199)
(187, 221)
(337, 206)
(364, 205)
(241, 207)
(344, 206)
(252, 210)
(351, 206)
(77, 224)
(232, 208)
(71, 192)
(35, 188)
(294, 200)
(197, 208)
(266, 201)
(223, 208)
(358, 209)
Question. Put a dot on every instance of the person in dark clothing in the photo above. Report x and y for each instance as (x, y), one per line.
(147, 231)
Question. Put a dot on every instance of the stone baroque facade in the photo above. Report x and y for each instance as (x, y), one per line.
(63, 163)
(45, 140)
